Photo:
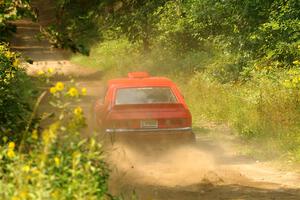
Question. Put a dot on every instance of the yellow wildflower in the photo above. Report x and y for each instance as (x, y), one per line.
(287, 84)
(46, 136)
(292, 72)
(35, 170)
(11, 145)
(55, 194)
(93, 142)
(296, 62)
(25, 168)
(76, 154)
(24, 194)
(15, 198)
(78, 111)
(294, 85)
(53, 90)
(73, 92)
(10, 153)
(57, 161)
(40, 72)
(35, 135)
(59, 86)
(53, 128)
(16, 63)
(50, 70)
(295, 80)
(9, 54)
(49, 134)
(83, 91)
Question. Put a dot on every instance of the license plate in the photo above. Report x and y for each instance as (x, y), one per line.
(149, 124)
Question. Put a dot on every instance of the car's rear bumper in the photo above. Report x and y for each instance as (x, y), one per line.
(177, 135)
(144, 130)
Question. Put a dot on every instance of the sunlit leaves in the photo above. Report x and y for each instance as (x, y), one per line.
(16, 94)
(12, 10)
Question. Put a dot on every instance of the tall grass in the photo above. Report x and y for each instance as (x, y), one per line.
(265, 116)
(261, 111)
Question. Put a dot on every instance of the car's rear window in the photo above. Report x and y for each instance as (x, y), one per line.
(145, 95)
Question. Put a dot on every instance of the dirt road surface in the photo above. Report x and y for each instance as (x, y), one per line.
(210, 169)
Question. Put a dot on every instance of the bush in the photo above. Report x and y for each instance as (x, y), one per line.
(17, 94)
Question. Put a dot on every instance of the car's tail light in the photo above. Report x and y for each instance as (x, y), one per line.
(123, 124)
(177, 122)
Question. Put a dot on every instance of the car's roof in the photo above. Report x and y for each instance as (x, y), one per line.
(140, 82)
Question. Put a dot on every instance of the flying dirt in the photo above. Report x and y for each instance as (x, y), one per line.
(205, 170)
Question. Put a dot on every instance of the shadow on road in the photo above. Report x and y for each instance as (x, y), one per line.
(207, 191)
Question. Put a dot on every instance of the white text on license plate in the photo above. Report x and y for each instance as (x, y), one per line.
(149, 124)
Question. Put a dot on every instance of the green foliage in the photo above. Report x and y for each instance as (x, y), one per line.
(80, 23)
(137, 21)
(55, 163)
(266, 32)
(17, 93)
(262, 32)
(77, 25)
(240, 31)
(11, 10)
(277, 40)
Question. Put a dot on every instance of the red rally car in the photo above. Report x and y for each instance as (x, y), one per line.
(143, 105)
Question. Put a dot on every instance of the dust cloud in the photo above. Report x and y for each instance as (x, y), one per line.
(167, 166)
